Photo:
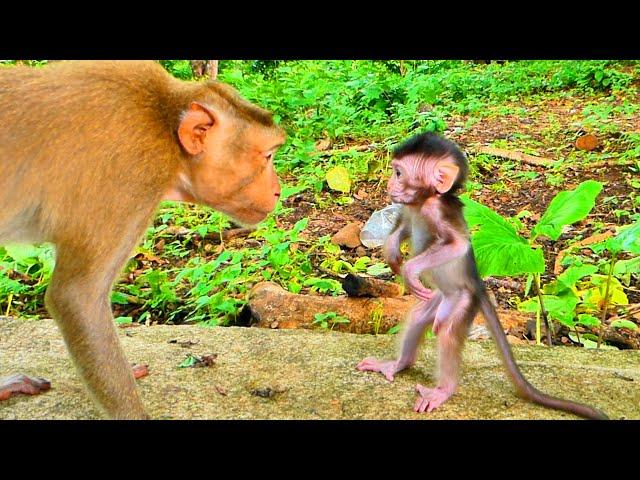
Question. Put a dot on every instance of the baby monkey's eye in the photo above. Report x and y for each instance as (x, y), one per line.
(398, 174)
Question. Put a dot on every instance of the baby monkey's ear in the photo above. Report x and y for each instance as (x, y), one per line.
(445, 174)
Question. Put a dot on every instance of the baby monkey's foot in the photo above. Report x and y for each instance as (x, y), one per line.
(388, 368)
(431, 398)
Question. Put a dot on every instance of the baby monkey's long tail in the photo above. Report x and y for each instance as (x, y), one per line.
(524, 389)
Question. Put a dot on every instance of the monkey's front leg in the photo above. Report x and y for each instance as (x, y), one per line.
(391, 249)
(419, 318)
(81, 307)
(435, 256)
(411, 275)
(451, 325)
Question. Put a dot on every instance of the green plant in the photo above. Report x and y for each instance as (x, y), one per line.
(627, 239)
(501, 251)
(328, 320)
(33, 265)
(178, 68)
(377, 314)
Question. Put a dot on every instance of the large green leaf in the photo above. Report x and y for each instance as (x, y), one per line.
(566, 208)
(560, 308)
(477, 214)
(498, 249)
(20, 252)
(626, 240)
(624, 324)
(571, 275)
(505, 256)
(623, 267)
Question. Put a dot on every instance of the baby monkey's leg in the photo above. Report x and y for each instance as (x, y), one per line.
(420, 317)
(451, 326)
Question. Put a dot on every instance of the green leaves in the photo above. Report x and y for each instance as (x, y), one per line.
(123, 320)
(588, 320)
(329, 318)
(566, 208)
(626, 240)
(624, 324)
(571, 275)
(559, 308)
(625, 267)
(498, 249)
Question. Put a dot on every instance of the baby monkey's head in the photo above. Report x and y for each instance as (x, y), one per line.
(426, 165)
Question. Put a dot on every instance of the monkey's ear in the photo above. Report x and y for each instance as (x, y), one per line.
(445, 172)
(193, 127)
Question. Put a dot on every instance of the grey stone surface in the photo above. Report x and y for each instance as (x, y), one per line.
(309, 375)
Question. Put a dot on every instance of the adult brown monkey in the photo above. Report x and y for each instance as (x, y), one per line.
(87, 151)
(427, 172)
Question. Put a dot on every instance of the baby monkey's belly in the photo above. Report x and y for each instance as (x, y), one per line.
(449, 278)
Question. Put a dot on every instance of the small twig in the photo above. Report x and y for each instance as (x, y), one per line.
(543, 310)
(623, 377)
(606, 299)
(229, 234)
(518, 156)
(346, 148)
(608, 163)
(9, 302)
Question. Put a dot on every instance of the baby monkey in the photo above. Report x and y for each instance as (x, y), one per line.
(428, 170)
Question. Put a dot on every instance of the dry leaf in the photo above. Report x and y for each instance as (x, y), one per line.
(322, 145)
(587, 142)
(220, 390)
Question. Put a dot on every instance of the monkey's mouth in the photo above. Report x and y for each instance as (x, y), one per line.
(249, 218)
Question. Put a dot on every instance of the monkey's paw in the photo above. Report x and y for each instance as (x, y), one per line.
(419, 291)
(431, 398)
(139, 370)
(22, 384)
(388, 368)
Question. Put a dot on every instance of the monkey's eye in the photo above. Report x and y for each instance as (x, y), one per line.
(398, 174)
(269, 157)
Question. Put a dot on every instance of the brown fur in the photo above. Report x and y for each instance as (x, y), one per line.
(87, 150)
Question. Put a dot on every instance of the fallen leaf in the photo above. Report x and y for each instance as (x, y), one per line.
(347, 236)
(338, 179)
(322, 145)
(221, 390)
(587, 142)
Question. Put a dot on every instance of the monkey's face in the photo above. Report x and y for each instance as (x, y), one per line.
(415, 178)
(406, 184)
(236, 174)
(232, 169)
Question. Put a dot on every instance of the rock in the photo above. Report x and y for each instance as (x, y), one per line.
(271, 304)
(587, 142)
(312, 374)
(513, 340)
(348, 236)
